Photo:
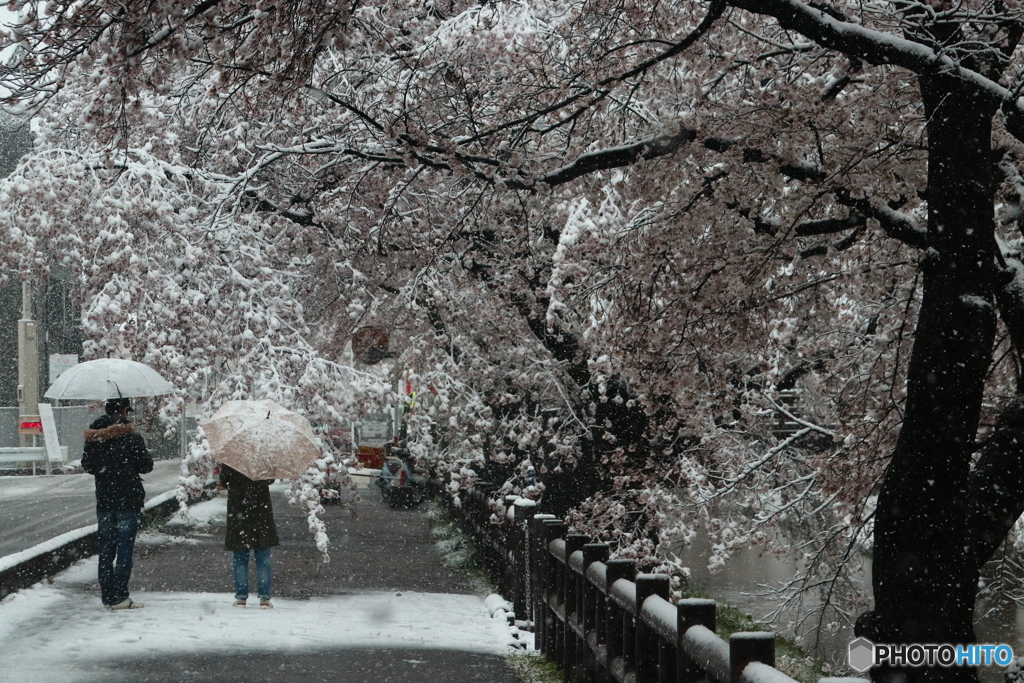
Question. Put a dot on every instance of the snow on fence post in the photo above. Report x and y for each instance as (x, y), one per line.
(691, 612)
(647, 641)
(592, 552)
(589, 615)
(558, 639)
(747, 647)
(553, 529)
(620, 647)
(597, 607)
(537, 586)
(507, 549)
(573, 543)
(578, 643)
(560, 593)
(520, 554)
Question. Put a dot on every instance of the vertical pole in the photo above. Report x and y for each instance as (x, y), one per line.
(506, 549)
(646, 639)
(28, 366)
(557, 630)
(573, 542)
(748, 647)
(616, 616)
(667, 656)
(592, 552)
(536, 587)
(183, 434)
(520, 554)
(691, 612)
(552, 530)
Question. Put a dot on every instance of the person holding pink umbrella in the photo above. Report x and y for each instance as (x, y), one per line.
(251, 530)
(256, 442)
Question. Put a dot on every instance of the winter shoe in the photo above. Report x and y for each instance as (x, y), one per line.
(265, 604)
(127, 603)
(239, 603)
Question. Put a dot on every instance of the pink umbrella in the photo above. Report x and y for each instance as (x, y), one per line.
(261, 439)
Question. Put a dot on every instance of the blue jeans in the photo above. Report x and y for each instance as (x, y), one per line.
(116, 534)
(264, 573)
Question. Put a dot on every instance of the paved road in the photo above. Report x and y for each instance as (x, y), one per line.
(380, 549)
(34, 509)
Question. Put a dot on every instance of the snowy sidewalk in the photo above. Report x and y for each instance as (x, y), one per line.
(384, 609)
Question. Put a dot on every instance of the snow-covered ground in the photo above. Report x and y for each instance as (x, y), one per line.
(59, 630)
(53, 628)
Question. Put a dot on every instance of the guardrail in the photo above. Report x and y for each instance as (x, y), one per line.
(597, 616)
(601, 621)
(33, 455)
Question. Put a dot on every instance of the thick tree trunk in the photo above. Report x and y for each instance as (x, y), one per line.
(925, 575)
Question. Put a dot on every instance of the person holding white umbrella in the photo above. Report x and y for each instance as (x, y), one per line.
(116, 457)
(116, 462)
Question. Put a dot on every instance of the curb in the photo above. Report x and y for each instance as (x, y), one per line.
(22, 569)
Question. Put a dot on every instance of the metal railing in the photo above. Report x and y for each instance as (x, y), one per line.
(601, 621)
(598, 619)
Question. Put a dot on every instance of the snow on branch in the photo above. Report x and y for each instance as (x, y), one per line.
(879, 47)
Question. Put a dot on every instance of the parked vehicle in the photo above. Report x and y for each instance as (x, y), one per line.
(399, 485)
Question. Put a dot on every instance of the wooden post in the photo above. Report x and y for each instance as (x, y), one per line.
(573, 542)
(691, 612)
(520, 557)
(616, 617)
(747, 647)
(552, 530)
(592, 552)
(506, 550)
(538, 563)
(667, 656)
(646, 662)
(536, 581)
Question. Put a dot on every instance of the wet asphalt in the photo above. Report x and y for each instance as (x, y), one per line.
(36, 509)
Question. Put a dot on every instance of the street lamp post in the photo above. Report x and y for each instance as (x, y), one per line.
(28, 374)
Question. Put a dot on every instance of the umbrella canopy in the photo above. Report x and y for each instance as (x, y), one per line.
(108, 378)
(261, 439)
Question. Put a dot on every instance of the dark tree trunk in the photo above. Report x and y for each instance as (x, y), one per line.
(925, 575)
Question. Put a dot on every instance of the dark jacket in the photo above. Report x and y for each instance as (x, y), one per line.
(250, 513)
(117, 463)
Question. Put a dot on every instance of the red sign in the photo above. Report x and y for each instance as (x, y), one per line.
(30, 425)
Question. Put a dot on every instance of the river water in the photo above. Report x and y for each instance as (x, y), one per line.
(741, 585)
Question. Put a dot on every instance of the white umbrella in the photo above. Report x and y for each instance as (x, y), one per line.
(108, 378)
(261, 439)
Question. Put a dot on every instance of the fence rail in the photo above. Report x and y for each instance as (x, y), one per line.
(600, 620)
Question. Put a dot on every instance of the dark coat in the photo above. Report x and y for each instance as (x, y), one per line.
(250, 513)
(117, 463)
